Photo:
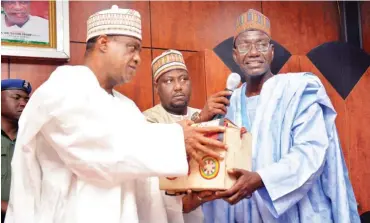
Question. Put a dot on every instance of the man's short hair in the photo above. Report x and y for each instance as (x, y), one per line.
(91, 43)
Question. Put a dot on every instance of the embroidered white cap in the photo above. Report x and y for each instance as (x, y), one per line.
(168, 60)
(114, 21)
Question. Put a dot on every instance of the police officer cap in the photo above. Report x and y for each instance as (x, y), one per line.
(16, 84)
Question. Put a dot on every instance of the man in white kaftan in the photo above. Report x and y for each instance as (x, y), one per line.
(298, 170)
(85, 153)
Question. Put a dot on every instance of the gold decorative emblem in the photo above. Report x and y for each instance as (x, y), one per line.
(210, 169)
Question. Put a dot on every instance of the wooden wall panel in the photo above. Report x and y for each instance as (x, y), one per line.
(186, 55)
(303, 25)
(77, 53)
(196, 67)
(140, 89)
(358, 106)
(195, 25)
(4, 68)
(216, 73)
(81, 10)
(34, 71)
(292, 65)
(365, 23)
(338, 103)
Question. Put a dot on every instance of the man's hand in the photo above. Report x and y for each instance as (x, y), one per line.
(247, 182)
(216, 104)
(197, 145)
(194, 199)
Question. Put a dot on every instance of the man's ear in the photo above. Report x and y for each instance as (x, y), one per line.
(102, 43)
(273, 52)
(155, 87)
(234, 56)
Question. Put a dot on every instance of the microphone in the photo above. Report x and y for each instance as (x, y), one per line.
(232, 83)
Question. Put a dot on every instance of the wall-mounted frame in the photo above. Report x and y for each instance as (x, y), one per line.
(35, 29)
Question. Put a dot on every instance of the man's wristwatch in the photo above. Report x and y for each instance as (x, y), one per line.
(195, 117)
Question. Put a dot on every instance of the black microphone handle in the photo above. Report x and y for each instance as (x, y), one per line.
(219, 116)
(229, 96)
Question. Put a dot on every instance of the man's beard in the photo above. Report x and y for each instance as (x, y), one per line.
(180, 106)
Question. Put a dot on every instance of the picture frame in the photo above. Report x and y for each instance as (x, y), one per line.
(45, 36)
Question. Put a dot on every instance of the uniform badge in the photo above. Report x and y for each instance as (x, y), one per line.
(26, 84)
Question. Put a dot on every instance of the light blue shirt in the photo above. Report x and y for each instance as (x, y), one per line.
(297, 153)
(251, 107)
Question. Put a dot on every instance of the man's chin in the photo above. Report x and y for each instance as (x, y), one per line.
(127, 78)
(18, 20)
(182, 105)
(255, 73)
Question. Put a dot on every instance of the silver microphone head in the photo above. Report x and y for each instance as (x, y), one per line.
(233, 81)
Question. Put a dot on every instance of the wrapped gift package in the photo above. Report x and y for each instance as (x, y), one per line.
(214, 176)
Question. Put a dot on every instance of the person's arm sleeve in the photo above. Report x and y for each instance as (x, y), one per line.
(102, 141)
(287, 181)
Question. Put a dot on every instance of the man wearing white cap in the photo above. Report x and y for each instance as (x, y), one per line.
(86, 153)
(173, 86)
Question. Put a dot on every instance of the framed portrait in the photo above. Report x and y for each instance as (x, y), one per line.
(35, 28)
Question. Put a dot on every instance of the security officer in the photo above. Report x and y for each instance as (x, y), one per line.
(14, 97)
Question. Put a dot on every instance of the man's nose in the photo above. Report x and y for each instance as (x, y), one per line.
(178, 86)
(137, 58)
(22, 102)
(253, 51)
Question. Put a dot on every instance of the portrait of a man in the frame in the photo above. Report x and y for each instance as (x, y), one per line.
(20, 25)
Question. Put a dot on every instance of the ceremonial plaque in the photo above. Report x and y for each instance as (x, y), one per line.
(213, 175)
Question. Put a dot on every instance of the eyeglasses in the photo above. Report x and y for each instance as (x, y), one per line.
(262, 47)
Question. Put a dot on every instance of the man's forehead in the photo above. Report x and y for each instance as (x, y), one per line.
(127, 39)
(13, 1)
(15, 92)
(175, 73)
(253, 35)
